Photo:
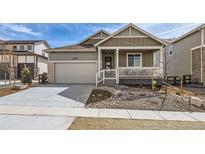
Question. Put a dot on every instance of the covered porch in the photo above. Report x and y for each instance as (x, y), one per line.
(125, 65)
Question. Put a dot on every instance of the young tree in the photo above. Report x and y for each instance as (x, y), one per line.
(26, 76)
(5, 64)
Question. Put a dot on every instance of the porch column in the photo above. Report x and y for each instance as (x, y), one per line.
(161, 64)
(117, 66)
(99, 59)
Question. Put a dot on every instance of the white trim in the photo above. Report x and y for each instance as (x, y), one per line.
(202, 36)
(135, 27)
(130, 31)
(99, 59)
(74, 61)
(197, 47)
(137, 53)
(154, 59)
(201, 64)
(140, 36)
(130, 47)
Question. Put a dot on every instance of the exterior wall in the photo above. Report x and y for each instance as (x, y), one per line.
(147, 58)
(10, 46)
(38, 49)
(203, 64)
(91, 41)
(51, 72)
(26, 59)
(130, 42)
(134, 32)
(196, 65)
(72, 56)
(1, 45)
(42, 65)
(179, 63)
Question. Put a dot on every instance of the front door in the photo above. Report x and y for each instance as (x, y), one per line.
(108, 62)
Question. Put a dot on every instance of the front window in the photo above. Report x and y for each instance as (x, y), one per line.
(29, 47)
(170, 50)
(21, 47)
(14, 48)
(134, 60)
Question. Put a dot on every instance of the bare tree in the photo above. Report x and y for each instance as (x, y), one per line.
(5, 64)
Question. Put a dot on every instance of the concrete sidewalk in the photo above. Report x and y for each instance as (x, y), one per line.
(101, 113)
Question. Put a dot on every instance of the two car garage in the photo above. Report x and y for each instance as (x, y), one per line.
(75, 72)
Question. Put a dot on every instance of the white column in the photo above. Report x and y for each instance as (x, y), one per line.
(117, 66)
(161, 64)
(99, 59)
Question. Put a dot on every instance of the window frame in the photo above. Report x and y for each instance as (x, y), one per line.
(15, 47)
(134, 61)
(29, 46)
(169, 49)
(21, 46)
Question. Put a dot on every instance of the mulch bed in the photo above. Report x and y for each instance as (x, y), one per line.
(137, 98)
(7, 91)
(98, 95)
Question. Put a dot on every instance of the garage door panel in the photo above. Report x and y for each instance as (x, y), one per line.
(75, 72)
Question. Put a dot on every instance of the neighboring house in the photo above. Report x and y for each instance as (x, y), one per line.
(25, 52)
(128, 56)
(186, 55)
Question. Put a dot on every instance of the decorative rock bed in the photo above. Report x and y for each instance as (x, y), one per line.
(136, 98)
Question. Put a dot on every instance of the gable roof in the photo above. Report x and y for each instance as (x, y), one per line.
(189, 33)
(135, 27)
(98, 32)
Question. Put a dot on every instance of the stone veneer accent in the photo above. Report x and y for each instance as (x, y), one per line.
(196, 64)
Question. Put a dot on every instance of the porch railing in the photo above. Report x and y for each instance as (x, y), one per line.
(128, 73)
(106, 74)
(140, 72)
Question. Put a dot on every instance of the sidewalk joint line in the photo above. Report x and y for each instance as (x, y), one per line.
(191, 116)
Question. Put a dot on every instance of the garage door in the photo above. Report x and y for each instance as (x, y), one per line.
(82, 72)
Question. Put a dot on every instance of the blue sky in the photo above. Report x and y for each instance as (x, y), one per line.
(64, 34)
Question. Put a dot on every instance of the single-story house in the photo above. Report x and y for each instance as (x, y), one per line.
(20, 53)
(186, 55)
(128, 56)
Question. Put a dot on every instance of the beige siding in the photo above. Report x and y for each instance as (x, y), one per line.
(92, 41)
(130, 42)
(204, 35)
(51, 72)
(203, 63)
(135, 32)
(180, 62)
(124, 32)
(72, 56)
(147, 58)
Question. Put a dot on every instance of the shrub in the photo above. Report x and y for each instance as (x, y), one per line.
(26, 76)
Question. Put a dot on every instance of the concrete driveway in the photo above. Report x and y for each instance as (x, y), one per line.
(19, 122)
(51, 96)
